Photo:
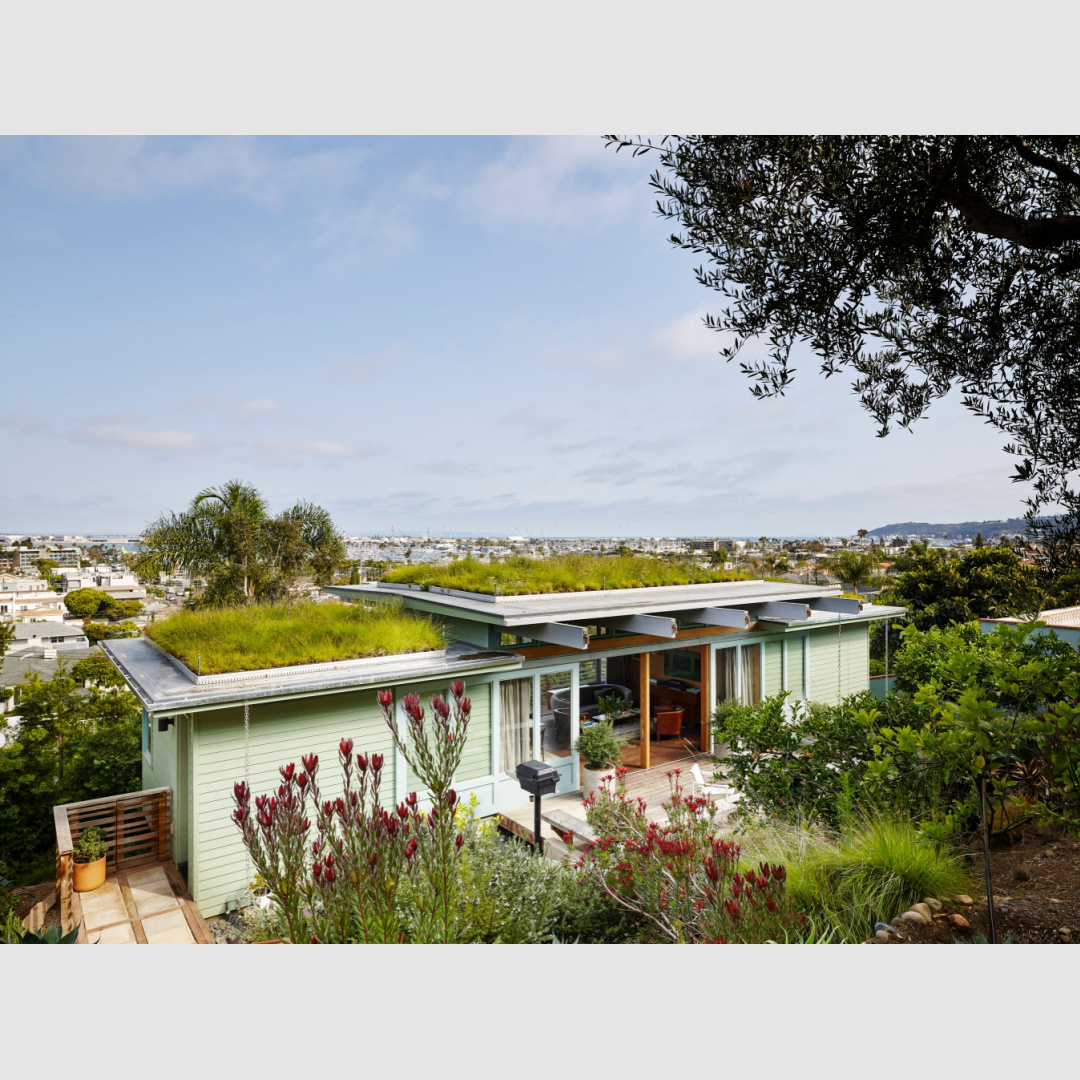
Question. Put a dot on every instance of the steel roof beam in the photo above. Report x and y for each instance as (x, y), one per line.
(650, 625)
(554, 633)
(736, 618)
(840, 605)
(780, 611)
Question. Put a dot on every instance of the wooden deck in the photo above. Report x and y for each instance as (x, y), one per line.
(652, 785)
(147, 906)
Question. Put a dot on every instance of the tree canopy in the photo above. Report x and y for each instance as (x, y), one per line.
(941, 587)
(86, 601)
(228, 537)
(914, 263)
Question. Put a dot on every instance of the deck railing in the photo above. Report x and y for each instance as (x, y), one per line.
(136, 828)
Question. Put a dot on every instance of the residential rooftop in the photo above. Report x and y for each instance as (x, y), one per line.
(227, 640)
(523, 576)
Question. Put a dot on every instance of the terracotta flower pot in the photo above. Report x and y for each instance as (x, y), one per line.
(87, 876)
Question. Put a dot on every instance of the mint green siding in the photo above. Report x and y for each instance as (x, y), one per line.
(168, 767)
(839, 662)
(280, 732)
(795, 665)
(773, 667)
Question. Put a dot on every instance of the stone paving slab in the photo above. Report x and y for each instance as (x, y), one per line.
(121, 934)
(167, 928)
(103, 906)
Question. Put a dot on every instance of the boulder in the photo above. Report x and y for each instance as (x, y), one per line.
(932, 903)
(923, 910)
(964, 899)
(914, 916)
(959, 922)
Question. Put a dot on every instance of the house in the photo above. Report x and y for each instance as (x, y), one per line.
(23, 599)
(1062, 622)
(535, 666)
(48, 638)
(119, 584)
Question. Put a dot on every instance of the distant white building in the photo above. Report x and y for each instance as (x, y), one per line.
(48, 637)
(119, 584)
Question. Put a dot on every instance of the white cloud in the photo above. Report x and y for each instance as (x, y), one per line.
(564, 182)
(144, 168)
(352, 236)
(328, 448)
(258, 407)
(116, 435)
(687, 340)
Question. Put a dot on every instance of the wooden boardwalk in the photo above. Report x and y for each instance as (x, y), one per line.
(147, 906)
(652, 785)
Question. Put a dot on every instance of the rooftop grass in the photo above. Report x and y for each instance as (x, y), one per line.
(522, 576)
(268, 636)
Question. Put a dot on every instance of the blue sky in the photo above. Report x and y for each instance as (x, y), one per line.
(458, 335)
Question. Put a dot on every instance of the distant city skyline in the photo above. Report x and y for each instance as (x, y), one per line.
(467, 336)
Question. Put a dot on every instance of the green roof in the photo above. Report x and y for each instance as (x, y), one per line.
(269, 636)
(521, 576)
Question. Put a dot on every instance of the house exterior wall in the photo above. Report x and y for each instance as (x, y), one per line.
(833, 676)
(772, 667)
(795, 665)
(162, 768)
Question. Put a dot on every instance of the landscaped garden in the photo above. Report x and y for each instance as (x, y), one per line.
(215, 640)
(521, 576)
(863, 820)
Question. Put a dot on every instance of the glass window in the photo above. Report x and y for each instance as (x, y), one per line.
(515, 723)
(750, 690)
(726, 678)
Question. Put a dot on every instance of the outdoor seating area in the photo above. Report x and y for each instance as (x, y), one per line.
(143, 899)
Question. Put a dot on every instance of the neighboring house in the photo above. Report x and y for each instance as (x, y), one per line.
(119, 584)
(534, 667)
(47, 637)
(13, 672)
(18, 558)
(1063, 622)
(31, 605)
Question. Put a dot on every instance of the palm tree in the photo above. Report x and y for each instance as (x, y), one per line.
(854, 568)
(228, 537)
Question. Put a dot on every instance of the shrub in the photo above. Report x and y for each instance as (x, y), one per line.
(815, 763)
(679, 878)
(873, 870)
(90, 846)
(598, 745)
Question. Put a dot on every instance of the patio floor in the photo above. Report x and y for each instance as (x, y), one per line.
(652, 785)
(147, 906)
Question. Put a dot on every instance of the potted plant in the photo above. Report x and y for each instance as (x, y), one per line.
(611, 705)
(88, 855)
(599, 750)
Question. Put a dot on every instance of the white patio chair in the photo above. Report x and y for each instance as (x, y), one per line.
(708, 789)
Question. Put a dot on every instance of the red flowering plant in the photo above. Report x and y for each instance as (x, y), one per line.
(434, 753)
(678, 876)
(343, 881)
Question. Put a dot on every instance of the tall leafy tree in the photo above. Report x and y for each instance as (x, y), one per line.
(228, 537)
(916, 264)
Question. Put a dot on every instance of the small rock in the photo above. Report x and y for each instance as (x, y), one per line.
(914, 916)
(959, 922)
(964, 899)
(879, 926)
(883, 935)
(923, 910)
(1065, 933)
(932, 903)
(1056, 901)
(1049, 853)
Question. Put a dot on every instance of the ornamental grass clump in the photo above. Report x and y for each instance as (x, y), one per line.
(680, 878)
(343, 883)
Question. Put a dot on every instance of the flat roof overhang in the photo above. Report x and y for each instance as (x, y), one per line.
(162, 689)
(561, 618)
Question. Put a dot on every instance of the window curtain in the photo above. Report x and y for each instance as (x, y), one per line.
(751, 672)
(725, 674)
(515, 712)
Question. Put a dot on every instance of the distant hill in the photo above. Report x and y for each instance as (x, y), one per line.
(957, 530)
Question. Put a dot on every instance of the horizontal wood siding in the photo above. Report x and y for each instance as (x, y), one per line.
(853, 666)
(794, 665)
(773, 667)
(280, 732)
